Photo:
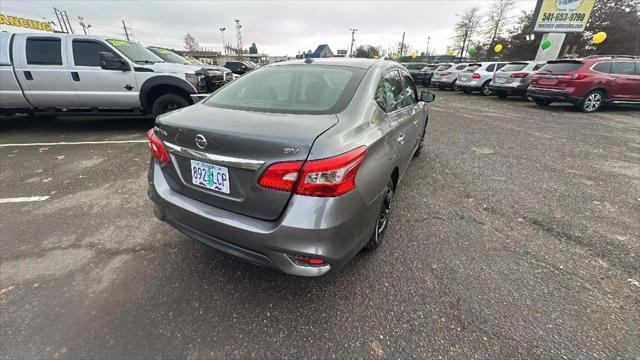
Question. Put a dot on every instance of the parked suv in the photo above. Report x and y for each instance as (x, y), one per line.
(67, 73)
(588, 83)
(476, 77)
(446, 75)
(240, 67)
(514, 78)
(420, 72)
(216, 75)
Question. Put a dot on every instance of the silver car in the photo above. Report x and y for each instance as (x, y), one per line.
(477, 76)
(446, 75)
(292, 166)
(515, 78)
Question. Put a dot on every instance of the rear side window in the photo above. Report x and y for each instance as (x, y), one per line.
(461, 67)
(44, 51)
(623, 68)
(410, 91)
(603, 67)
(514, 67)
(491, 68)
(389, 91)
(443, 67)
(562, 67)
(87, 53)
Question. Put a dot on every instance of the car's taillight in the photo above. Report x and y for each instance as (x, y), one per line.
(578, 76)
(446, 73)
(520, 75)
(475, 76)
(281, 176)
(323, 178)
(156, 147)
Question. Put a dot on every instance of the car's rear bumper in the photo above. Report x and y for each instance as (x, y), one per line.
(444, 82)
(469, 84)
(552, 95)
(508, 89)
(333, 229)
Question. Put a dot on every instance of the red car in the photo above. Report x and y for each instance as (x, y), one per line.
(588, 83)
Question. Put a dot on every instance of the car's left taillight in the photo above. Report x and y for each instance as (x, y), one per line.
(156, 147)
(475, 76)
(328, 177)
(520, 75)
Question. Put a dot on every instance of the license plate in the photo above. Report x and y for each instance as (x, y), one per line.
(210, 176)
(547, 81)
(501, 80)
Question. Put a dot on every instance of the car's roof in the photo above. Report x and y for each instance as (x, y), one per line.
(336, 61)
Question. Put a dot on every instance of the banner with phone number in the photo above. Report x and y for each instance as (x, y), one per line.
(562, 15)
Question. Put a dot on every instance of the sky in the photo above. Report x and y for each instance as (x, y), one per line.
(277, 27)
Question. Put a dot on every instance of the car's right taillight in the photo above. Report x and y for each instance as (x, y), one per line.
(156, 147)
(328, 177)
(578, 76)
(446, 73)
(475, 76)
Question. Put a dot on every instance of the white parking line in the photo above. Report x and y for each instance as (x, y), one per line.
(23, 199)
(76, 143)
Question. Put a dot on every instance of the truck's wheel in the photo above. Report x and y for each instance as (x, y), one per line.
(168, 102)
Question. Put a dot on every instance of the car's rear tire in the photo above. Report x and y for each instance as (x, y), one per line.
(454, 86)
(592, 102)
(168, 102)
(382, 219)
(484, 90)
(540, 102)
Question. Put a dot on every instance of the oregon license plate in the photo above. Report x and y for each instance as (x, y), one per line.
(210, 176)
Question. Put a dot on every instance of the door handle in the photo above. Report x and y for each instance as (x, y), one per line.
(401, 139)
(75, 76)
(27, 75)
(415, 122)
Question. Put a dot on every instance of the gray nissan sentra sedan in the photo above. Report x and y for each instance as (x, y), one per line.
(292, 166)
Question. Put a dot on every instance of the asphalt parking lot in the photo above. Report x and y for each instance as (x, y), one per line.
(515, 235)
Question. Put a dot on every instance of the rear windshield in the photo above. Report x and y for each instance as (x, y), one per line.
(430, 67)
(561, 67)
(461, 67)
(514, 67)
(472, 68)
(443, 67)
(294, 89)
(415, 66)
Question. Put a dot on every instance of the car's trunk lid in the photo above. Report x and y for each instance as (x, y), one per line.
(244, 143)
(557, 73)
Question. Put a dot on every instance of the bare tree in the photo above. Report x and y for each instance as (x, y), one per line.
(466, 28)
(190, 43)
(497, 18)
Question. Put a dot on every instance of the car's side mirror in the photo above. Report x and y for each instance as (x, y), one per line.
(108, 61)
(427, 96)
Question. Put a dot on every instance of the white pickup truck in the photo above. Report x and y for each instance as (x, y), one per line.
(79, 74)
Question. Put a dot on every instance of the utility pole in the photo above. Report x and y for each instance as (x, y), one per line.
(224, 49)
(426, 55)
(127, 31)
(353, 40)
(239, 38)
(401, 46)
(84, 25)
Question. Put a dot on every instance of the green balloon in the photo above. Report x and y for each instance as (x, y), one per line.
(546, 44)
(472, 52)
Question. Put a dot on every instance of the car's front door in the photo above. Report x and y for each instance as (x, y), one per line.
(413, 111)
(43, 71)
(97, 87)
(625, 84)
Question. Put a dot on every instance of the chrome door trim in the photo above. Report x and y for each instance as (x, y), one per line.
(228, 161)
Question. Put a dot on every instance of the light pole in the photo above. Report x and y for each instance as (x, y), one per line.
(224, 49)
(426, 55)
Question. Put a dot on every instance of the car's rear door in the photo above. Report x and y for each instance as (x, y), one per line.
(43, 70)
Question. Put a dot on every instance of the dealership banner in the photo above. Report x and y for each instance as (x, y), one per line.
(25, 23)
(562, 15)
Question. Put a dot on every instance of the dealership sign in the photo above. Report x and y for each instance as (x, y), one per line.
(562, 15)
(25, 23)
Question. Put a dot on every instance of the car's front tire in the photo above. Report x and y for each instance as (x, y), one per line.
(382, 221)
(592, 102)
(168, 102)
